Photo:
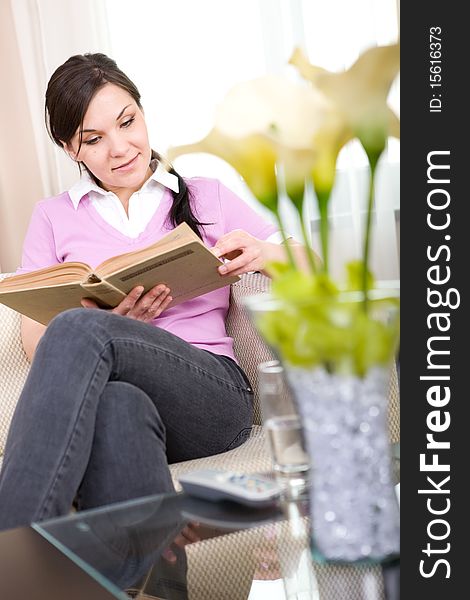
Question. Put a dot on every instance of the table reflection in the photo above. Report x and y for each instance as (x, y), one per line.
(176, 547)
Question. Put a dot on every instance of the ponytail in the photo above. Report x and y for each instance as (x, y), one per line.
(181, 211)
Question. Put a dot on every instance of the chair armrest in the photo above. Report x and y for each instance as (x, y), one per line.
(248, 346)
(14, 367)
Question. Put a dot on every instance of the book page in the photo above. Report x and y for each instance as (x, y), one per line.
(175, 238)
(73, 272)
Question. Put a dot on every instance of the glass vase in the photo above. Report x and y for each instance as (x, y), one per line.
(337, 353)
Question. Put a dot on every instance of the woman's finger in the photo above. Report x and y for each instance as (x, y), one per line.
(88, 303)
(158, 306)
(152, 304)
(128, 303)
(169, 555)
(155, 295)
(190, 534)
(163, 305)
(247, 261)
(231, 244)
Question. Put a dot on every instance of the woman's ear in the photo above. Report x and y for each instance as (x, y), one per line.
(69, 150)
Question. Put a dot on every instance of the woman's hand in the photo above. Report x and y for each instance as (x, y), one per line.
(142, 308)
(245, 253)
(188, 535)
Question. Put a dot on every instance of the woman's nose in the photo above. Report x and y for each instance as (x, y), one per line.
(118, 145)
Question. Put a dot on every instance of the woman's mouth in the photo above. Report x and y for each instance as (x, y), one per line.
(126, 166)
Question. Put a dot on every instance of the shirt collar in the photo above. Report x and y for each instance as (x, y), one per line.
(86, 184)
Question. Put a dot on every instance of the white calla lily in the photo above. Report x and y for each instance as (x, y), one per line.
(252, 156)
(260, 123)
(263, 123)
(287, 112)
(360, 93)
(272, 121)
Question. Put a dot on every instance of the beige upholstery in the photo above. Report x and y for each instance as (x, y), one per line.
(14, 368)
(224, 567)
(249, 348)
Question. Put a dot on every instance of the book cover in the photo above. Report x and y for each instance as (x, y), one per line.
(180, 260)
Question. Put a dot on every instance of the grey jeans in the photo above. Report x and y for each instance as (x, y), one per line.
(108, 404)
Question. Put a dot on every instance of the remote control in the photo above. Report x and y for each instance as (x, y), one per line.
(211, 484)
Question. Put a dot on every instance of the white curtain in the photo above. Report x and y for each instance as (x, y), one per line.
(35, 37)
(48, 32)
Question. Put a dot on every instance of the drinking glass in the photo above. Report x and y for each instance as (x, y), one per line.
(283, 428)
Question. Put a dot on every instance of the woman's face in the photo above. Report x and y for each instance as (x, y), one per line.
(115, 145)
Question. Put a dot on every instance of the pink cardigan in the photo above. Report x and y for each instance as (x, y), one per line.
(60, 233)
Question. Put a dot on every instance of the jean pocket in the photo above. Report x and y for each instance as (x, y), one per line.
(236, 373)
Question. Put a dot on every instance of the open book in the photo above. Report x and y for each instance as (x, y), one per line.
(179, 259)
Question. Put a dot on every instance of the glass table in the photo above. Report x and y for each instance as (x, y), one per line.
(174, 546)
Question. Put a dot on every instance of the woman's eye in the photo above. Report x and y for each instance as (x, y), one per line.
(128, 122)
(92, 141)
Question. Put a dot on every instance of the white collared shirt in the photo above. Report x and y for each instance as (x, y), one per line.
(142, 204)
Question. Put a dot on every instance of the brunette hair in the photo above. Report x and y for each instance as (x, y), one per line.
(69, 93)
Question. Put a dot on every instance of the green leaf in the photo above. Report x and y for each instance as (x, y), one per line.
(355, 276)
(331, 332)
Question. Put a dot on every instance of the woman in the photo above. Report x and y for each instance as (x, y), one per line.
(114, 396)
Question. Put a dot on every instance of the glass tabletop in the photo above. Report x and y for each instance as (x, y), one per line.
(176, 546)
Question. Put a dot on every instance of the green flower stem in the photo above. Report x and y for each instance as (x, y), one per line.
(290, 255)
(373, 157)
(271, 202)
(297, 198)
(323, 198)
(310, 256)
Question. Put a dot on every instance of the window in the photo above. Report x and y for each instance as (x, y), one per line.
(185, 55)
